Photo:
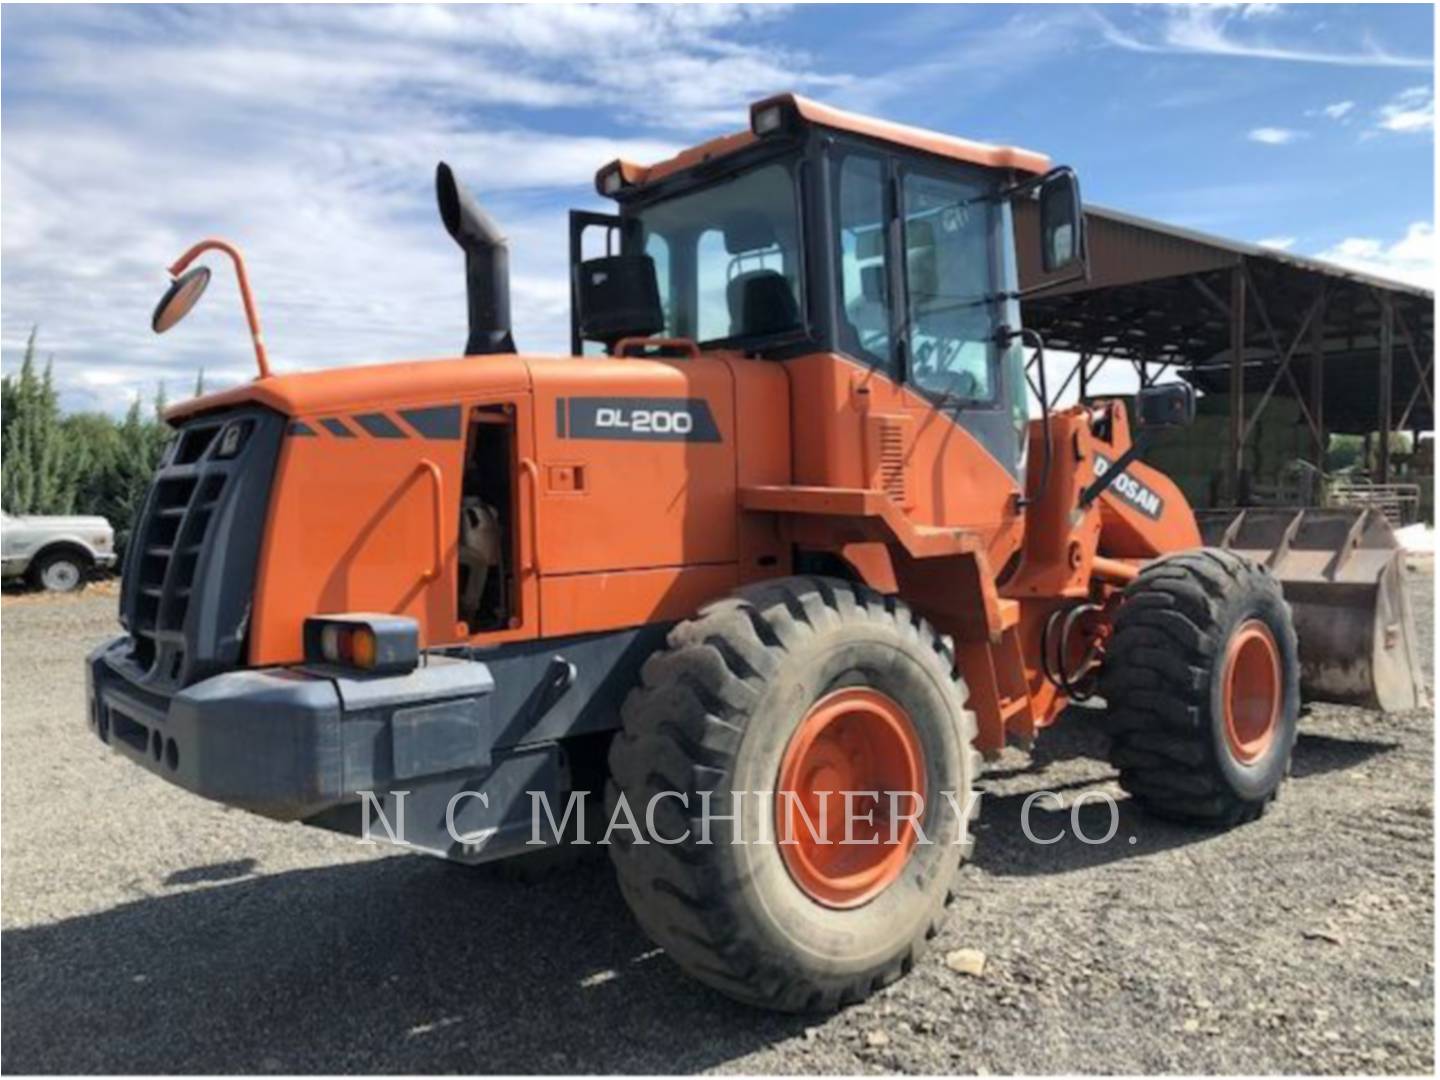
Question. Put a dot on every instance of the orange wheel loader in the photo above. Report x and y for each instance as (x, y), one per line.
(784, 538)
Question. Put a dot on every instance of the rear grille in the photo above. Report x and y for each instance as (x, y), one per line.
(195, 544)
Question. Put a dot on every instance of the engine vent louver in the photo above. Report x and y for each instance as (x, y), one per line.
(887, 448)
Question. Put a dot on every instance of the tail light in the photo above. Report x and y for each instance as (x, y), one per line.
(374, 644)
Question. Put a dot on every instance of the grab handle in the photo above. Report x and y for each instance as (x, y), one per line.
(624, 346)
(437, 490)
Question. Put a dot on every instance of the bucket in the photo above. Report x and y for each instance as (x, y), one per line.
(1343, 573)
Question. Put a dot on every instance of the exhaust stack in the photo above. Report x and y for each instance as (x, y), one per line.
(487, 265)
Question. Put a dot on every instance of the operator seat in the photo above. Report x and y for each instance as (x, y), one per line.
(761, 302)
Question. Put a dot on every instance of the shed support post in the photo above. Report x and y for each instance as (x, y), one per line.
(1387, 382)
(1235, 464)
(1317, 387)
(1084, 377)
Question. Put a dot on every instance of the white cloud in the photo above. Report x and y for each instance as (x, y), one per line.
(948, 38)
(1408, 111)
(1277, 243)
(1273, 136)
(1410, 259)
(1210, 30)
(1338, 110)
(309, 136)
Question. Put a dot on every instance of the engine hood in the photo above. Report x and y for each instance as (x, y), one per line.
(368, 386)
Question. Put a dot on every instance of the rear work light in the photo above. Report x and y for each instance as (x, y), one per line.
(774, 117)
(610, 181)
(374, 644)
(768, 120)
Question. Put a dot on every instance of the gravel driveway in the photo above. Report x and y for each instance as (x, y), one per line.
(147, 931)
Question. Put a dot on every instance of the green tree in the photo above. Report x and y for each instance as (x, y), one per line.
(42, 467)
(139, 442)
(8, 404)
(82, 463)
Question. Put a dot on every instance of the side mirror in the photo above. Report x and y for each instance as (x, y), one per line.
(1062, 222)
(616, 297)
(1168, 406)
(179, 298)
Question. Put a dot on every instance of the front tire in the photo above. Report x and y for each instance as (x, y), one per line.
(808, 678)
(1202, 681)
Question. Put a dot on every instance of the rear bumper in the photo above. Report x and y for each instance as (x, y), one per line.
(106, 561)
(304, 744)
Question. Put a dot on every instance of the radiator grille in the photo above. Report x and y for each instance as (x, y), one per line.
(170, 544)
(175, 560)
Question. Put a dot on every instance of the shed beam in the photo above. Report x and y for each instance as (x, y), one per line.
(1284, 367)
(1420, 369)
(1404, 421)
(1234, 462)
(1387, 381)
(1317, 387)
(1281, 354)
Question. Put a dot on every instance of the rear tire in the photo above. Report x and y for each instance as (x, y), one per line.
(1202, 681)
(717, 711)
(60, 572)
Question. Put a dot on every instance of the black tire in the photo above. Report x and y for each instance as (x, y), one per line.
(1163, 681)
(60, 571)
(715, 711)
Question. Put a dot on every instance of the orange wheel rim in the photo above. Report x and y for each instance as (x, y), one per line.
(1252, 691)
(855, 740)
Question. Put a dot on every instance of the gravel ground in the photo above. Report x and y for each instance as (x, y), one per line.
(147, 931)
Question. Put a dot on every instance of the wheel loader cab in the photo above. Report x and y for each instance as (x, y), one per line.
(804, 239)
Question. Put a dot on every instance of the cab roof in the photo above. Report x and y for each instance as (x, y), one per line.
(821, 115)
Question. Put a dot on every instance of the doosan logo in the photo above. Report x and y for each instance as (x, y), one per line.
(1131, 490)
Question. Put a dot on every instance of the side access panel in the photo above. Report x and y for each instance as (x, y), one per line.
(636, 463)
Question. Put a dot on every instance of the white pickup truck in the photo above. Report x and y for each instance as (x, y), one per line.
(57, 554)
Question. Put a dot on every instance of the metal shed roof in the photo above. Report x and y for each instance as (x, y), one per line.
(1160, 294)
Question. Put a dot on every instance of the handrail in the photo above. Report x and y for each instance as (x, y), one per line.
(437, 487)
(624, 345)
(530, 560)
(178, 267)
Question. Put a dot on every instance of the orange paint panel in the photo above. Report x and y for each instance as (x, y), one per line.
(932, 142)
(943, 474)
(582, 603)
(762, 457)
(352, 527)
(815, 112)
(1125, 531)
(370, 386)
(647, 500)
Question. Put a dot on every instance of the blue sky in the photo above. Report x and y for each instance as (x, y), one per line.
(309, 136)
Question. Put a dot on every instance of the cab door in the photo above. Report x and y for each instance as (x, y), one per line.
(956, 257)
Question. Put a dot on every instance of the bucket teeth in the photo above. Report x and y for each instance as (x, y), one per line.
(1343, 573)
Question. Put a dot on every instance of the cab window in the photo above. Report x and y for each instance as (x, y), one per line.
(949, 276)
(865, 309)
(728, 257)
